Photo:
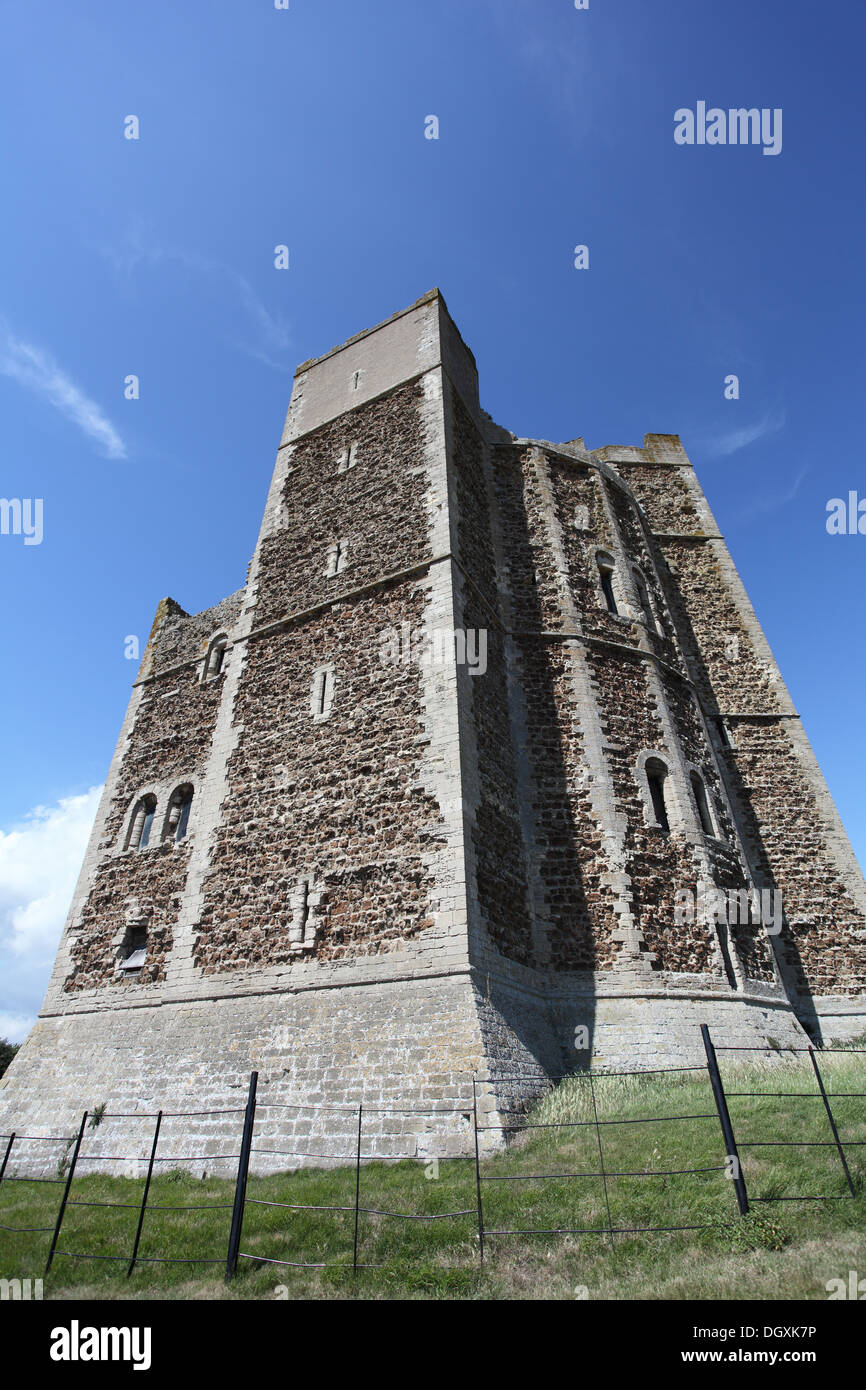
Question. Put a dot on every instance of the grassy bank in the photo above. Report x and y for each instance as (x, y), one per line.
(782, 1249)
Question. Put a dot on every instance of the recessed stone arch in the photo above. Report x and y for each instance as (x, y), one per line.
(176, 822)
(140, 822)
(215, 659)
(655, 775)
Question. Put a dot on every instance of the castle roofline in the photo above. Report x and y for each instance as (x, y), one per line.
(660, 450)
(428, 298)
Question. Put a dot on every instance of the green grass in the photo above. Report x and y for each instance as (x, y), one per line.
(782, 1249)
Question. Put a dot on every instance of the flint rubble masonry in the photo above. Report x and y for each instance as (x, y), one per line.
(398, 874)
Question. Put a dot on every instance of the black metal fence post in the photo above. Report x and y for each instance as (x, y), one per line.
(824, 1097)
(241, 1182)
(146, 1191)
(357, 1193)
(601, 1160)
(477, 1171)
(6, 1155)
(725, 1120)
(65, 1197)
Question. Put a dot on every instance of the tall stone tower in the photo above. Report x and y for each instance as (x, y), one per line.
(370, 858)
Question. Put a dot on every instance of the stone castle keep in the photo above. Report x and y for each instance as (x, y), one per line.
(370, 879)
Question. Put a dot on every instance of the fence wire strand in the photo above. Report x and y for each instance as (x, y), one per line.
(465, 1109)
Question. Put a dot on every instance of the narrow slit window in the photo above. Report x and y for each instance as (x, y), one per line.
(322, 693)
(644, 600)
(700, 794)
(656, 775)
(302, 932)
(336, 558)
(606, 576)
(606, 565)
(303, 915)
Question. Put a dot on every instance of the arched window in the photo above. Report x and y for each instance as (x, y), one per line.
(606, 565)
(177, 819)
(142, 823)
(656, 775)
(700, 795)
(216, 657)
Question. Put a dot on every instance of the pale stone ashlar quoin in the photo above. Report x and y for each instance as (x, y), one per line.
(367, 879)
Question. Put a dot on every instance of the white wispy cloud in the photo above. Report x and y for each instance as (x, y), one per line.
(728, 442)
(773, 501)
(270, 333)
(40, 859)
(37, 370)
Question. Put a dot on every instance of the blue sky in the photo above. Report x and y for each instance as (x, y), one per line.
(305, 127)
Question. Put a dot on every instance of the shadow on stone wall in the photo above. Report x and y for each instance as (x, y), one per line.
(791, 969)
(564, 912)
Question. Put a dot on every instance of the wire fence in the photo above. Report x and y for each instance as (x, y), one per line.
(71, 1165)
(358, 1157)
(603, 1174)
(834, 1142)
(588, 1139)
(718, 1112)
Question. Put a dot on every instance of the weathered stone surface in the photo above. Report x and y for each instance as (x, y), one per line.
(398, 873)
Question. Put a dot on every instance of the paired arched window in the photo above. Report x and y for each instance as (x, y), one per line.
(216, 655)
(142, 823)
(176, 821)
(660, 807)
(177, 818)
